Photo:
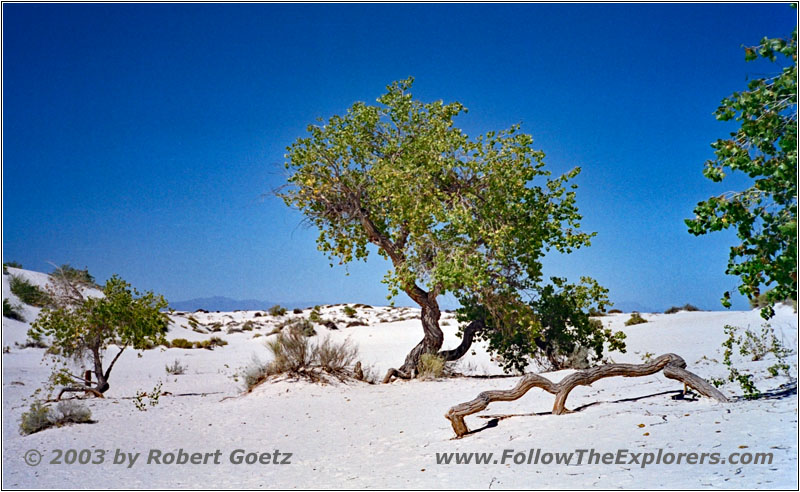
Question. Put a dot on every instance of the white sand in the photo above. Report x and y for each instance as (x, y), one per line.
(387, 436)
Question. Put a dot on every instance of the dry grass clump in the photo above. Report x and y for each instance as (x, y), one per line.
(295, 355)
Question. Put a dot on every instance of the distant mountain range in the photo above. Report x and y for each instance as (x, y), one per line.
(219, 303)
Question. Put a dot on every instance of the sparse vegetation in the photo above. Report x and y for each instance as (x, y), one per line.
(334, 357)
(75, 276)
(176, 369)
(27, 292)
(297, 311)
(685, 307)
(635, 319)
(181, 343)
(12, 311)
(614, 311)
(295, 355)
(755, 346)
(277, 310)
(350, 312)
(40, 416)
(431, 366)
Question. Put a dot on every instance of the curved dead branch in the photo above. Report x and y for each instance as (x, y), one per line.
(674, 367)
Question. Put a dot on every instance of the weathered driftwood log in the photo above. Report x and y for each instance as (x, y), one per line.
(674, 367)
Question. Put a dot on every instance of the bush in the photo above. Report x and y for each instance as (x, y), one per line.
(614, 311)
(32, 343)
(11, 311)
(431, 366)
(71, 412)
(277, 310)
(349, 312)
(12, 264)
(301, 325)
(292, 352)
(254, 373)
(74, 276)
(315, 316)
(297, 311)
(757, 347)
(635, 319)
(181, 343)
(41, 417)
(28, 293)
(35, 419)
(335, 358)
(685, 307)
(176, 369)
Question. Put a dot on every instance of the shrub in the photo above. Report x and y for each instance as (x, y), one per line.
(635, 319)
(755, 346)
(297, 311)
(248, 326)
(176, 369)
(292, 352)
(254, 373)
(12, 311)
(334, 358)
(430, 366)
(74, 276)
(28, 293)
(614, 311)
(32, 343)
(12, 264)
(71, 412)
(356, 323)
(35, 419)
(349, 312)
(315, 316)
(303, 325)
(181, 343)
(41, 417)
(685, 307)
(277, 310)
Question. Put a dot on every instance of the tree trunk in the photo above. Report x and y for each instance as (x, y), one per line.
(674, 367)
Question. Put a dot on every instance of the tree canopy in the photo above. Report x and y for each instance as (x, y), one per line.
(764, 147)
(471, 217)
(82, 328)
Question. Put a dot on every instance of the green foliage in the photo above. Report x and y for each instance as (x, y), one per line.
(554, 328)
(122, 317)
(277, 310)
(315, 316)
(40, 416)
(37, 418)
(349, 311)
(12, 311)
(756, 347)
(430, 366)
(143, 399)
(765, 149)
(181, 343)
(74, 275)
(454, 214)
(12, 264)
(635, 319)
(27, 292)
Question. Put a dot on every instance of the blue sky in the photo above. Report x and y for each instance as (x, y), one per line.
(142, 139)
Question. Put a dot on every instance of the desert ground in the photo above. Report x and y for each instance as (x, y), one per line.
(358, 435)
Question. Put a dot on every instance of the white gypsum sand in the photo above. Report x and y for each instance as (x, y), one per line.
(388, 436)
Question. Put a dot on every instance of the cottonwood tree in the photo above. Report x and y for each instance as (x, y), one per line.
(471, 217)
(83, 327)
(764, 147)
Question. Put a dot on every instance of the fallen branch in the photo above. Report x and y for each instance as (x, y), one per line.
(674, 367)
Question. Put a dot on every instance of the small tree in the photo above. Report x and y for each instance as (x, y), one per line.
(83, 328)
(765, 148)
(472, 217)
